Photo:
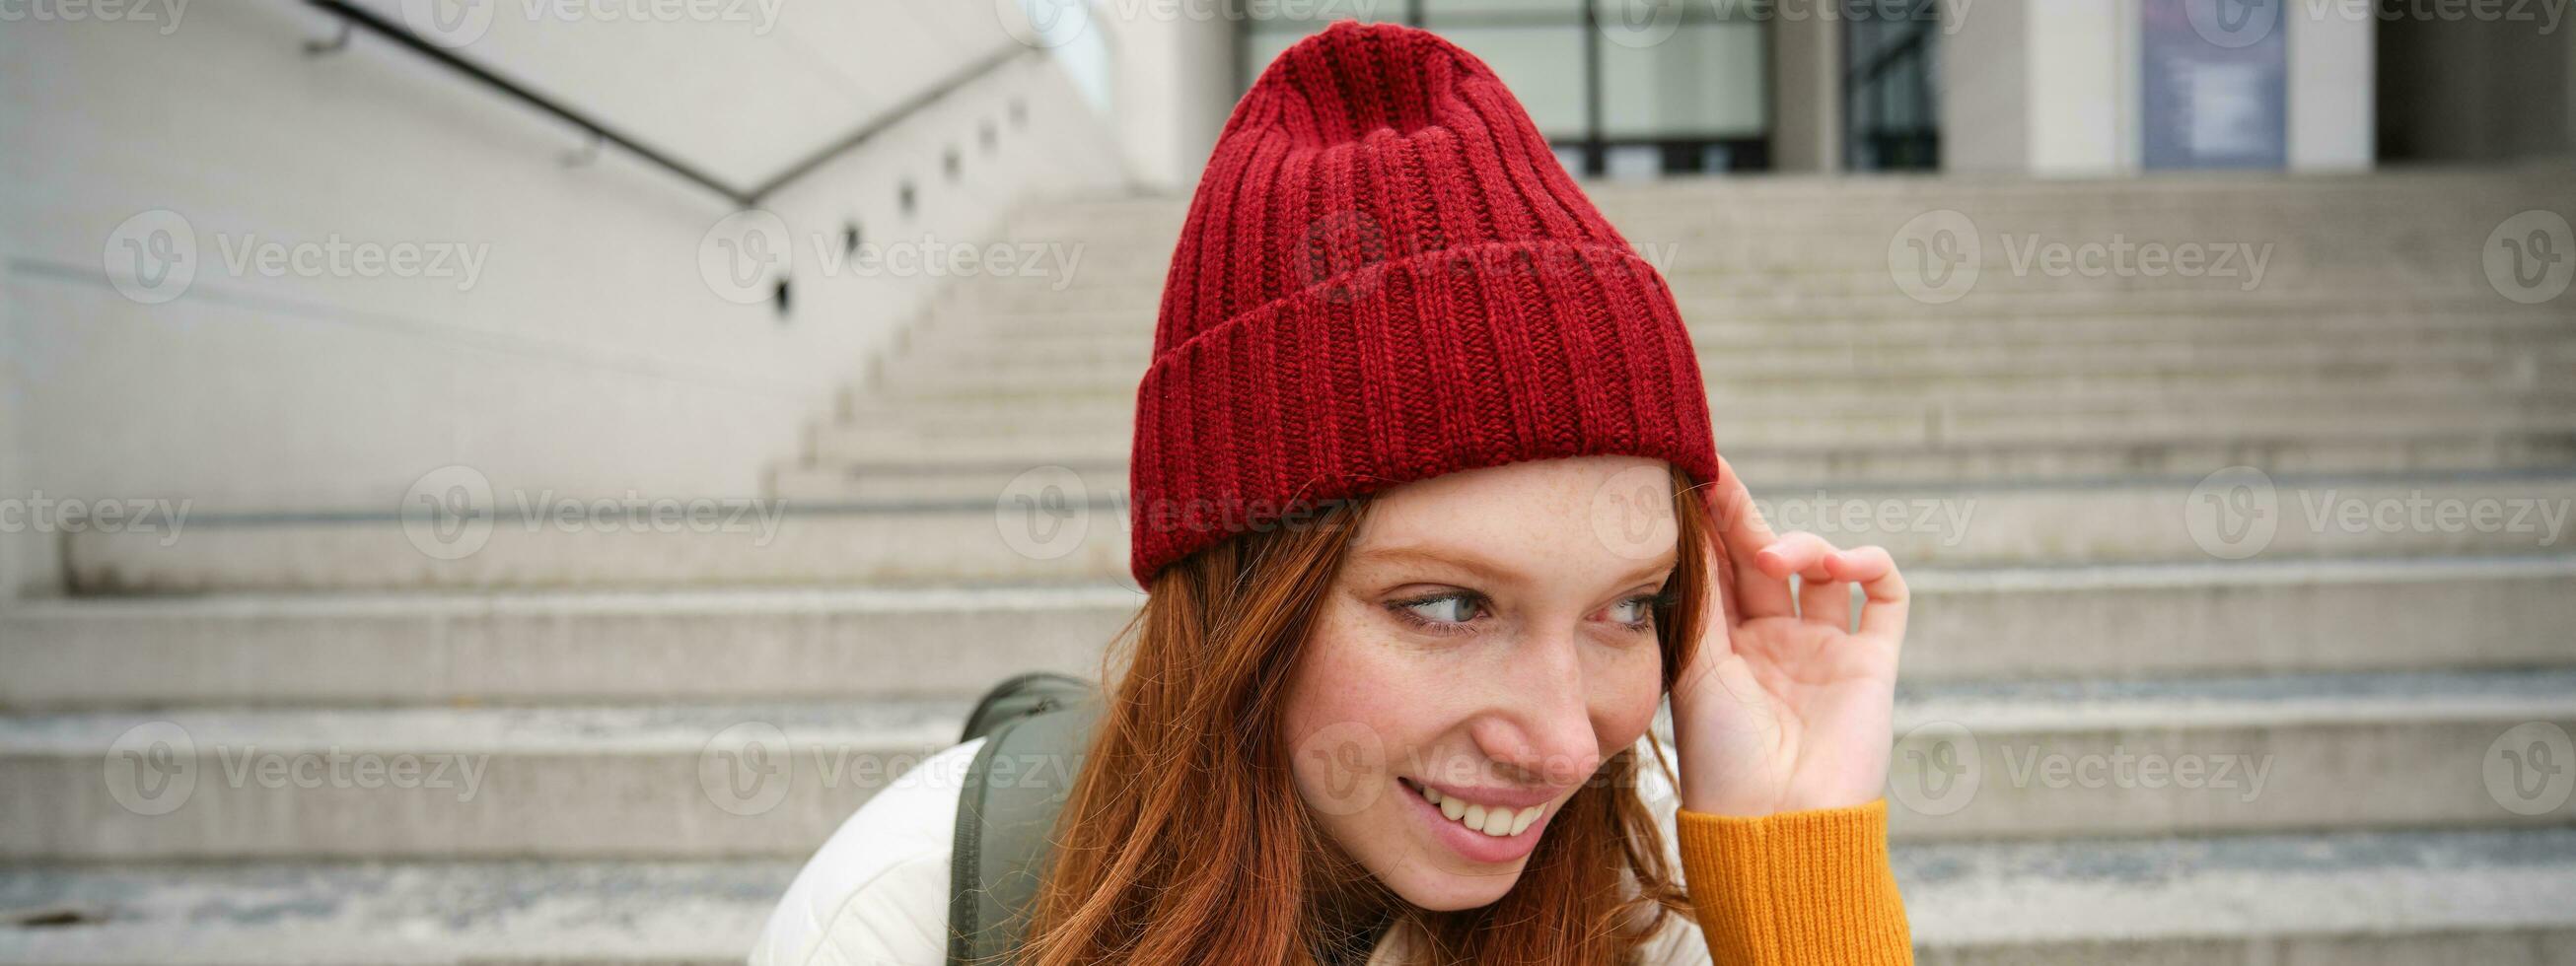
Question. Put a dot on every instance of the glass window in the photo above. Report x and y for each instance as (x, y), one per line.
(1706, 80)
(1683, 84)
(1543, 66)
(1272, 26)
(1558, 10)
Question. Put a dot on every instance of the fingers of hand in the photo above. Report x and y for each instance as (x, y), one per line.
(1827, 602)
(1800, 553)
(1882, 614)
(1826, 575)
(1741, 530)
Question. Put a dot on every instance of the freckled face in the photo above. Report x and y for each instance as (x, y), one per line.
(1486, 642)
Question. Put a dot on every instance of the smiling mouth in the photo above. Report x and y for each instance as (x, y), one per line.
(1495, 821)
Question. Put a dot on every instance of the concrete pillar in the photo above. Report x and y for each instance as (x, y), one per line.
(1985, 87)
(2082, 76)
(2332, 98)
(1806, 94)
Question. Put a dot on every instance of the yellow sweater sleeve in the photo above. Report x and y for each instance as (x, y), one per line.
(1797, 888)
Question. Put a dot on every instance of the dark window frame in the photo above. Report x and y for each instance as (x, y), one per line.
(1682, 151)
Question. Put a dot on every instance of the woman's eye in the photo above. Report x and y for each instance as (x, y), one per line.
(1636, 611)
(1444, 609)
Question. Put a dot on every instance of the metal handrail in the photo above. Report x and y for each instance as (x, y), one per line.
(915, 105)
(401, 36)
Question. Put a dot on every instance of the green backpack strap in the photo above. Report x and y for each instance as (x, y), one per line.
(1035, 729)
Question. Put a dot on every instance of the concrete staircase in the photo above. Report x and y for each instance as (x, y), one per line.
(2245, 611)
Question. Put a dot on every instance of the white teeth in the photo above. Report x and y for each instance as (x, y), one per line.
(1496, 822)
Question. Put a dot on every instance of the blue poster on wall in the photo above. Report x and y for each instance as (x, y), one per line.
(2214, 86)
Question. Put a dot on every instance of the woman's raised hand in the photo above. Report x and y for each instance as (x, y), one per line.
(1786, 706)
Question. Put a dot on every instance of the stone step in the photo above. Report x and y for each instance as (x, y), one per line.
(1833, 218)
(2368, 898)
(1030, 346)
(2431, 189)
(1006, 368)
(970, 471)
(1143, 297)
(1973, 761)
(2051, 759)
(624, 781)
(2113, 622)
(2542, 399)
(1697, 265)
(2012, 248)
(627, 913)
(1031, 433)
(1864, 324)
(358, 649)
(1061, 528)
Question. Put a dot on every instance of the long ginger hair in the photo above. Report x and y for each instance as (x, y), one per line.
(1184, 839)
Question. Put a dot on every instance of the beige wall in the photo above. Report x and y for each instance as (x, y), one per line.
(1176, 83)
(590, 357)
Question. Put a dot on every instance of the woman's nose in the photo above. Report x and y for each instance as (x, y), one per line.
(1542, 729)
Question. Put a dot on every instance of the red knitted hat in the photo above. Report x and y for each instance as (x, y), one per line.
(1386, 276)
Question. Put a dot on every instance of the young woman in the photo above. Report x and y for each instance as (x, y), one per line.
(1431, 519)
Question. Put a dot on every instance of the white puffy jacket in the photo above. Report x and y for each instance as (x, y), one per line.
(877, 892)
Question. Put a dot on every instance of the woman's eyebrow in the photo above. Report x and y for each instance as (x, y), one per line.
(1487, 569)
(1481, 567)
